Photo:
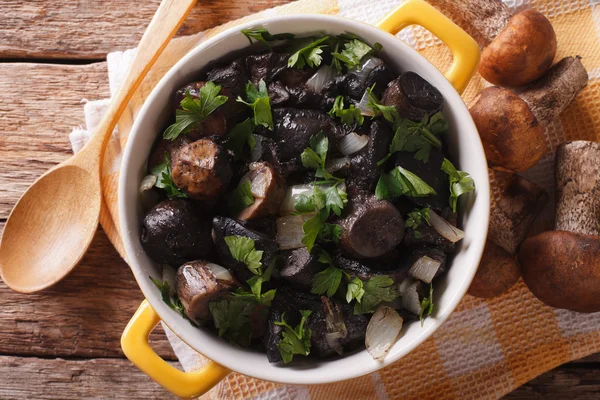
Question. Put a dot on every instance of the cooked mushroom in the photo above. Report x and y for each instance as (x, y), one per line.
(173, 232)
(498, 271)
(233, 76)
(365, 270)
(200, 282)
(372, 227)
(429, 236)
(202, 169)
(300, 267)
(222, 227)
(364, 172)
(516, 49)
(562, 267)
(413, 96)
(268, 189)
(511, 125)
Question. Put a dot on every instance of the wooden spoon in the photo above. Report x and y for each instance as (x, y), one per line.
(52, 225)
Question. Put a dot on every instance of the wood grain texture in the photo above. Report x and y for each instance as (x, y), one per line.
(82, 316)
(36, 378)
(564, 383)
(90, 29)
(39, 106)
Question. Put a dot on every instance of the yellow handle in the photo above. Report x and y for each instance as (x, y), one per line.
(134, 343)
(463, 47)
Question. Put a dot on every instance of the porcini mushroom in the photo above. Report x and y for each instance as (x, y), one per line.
(516, 49)
(519, 202)
(511, 126)
(562, 267)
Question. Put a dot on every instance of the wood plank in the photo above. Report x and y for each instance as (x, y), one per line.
(90, 29)
(39, 106)
(82, 316)
(36, 378)
(563, 383)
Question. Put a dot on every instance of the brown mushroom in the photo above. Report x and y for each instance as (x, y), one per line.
(268, 188)
(200, 282)
(202, 169)
(516, 49)
(372, 227)
(511, 126)
(562, 267)
(519, 202)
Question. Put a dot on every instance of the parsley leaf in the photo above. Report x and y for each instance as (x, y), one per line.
(164, 179)
(240, 198)
(263, 36)
(174, 303)
(415, 218)
(376, 290)
(309, 55)
(240, 135)
(311, 228)
(258, 100)
(355, 290)
(294, 340)
(232, 319)
(255, 284)
(327, 281)
(390, 113)
(242, 249)
(349, 116)
(315, 156)
(426, 305)
(399, 182)
(195, 110)
(353, 52)
(460, 182)
(330, 233)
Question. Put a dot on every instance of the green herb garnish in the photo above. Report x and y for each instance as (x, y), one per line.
(194, 110)
(390, 113)
(355, 290)
(255, 284)
(460, 182)
(231, 317)
(426, 305)
(348, 116)
(263, 36)
(294, 340)
(173, 302)
(164, 179)
(399, 182)
(315, 157)
(353, 53)
(258, 100)
(240, 135)
(327, 281)
(376, 290)
(309, 55)
(415, 219)
(242, 250)
(240, 198)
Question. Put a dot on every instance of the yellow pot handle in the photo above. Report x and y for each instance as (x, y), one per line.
(134, 343)
(463, 47)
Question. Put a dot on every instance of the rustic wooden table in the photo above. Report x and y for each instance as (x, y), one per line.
(64, 342)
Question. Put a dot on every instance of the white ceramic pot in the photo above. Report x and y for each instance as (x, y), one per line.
(466, 150)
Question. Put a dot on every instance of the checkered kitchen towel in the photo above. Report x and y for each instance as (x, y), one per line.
(487, 347)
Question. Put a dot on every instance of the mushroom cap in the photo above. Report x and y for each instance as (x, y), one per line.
(562, 269)
(511, 136)
(521, 53)
(498, 271)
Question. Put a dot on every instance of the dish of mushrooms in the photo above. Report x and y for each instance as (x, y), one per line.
(301, 200)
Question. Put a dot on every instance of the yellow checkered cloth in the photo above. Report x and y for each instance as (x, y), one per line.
(488, 347)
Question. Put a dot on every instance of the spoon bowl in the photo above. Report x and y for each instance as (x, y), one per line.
(52, 225)
(50, 228)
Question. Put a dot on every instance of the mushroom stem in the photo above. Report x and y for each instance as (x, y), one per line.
(578, 187)
(552, 93)
(483, 19)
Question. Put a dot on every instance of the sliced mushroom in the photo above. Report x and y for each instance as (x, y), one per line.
(364, 171)
(268, 189)
(372, 227)
(365, 270)
(200, 282)
(233, 76)
(202, 169)
(413, 96)
(300, 267)
(174, 232)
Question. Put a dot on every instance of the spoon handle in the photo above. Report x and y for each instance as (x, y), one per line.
(165, 23)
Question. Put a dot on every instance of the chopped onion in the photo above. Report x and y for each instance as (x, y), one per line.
(168, 274)
(148, 182)
(445, 228)
(411, 300)
(352, 142)
(383, 331)
(367, 65)
(289, 231)
(258, 185)
(256, 153)
(362, 106)
(335, 325)
(222, 274)
(424, 269)
(321, 77)
(337, 164)
(287, 205)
